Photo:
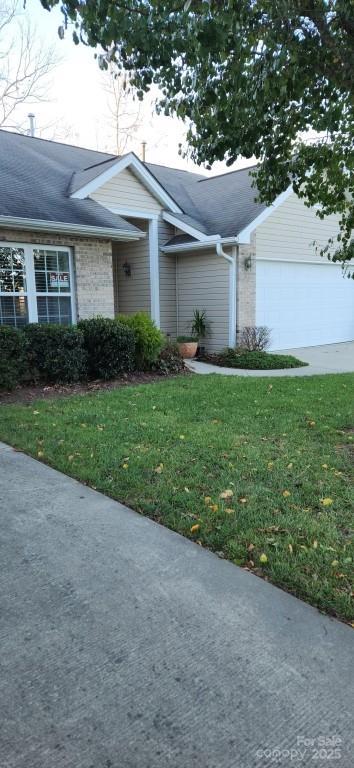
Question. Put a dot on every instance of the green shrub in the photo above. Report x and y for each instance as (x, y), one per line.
(169, 361)
(110, 347)
(187, 339)
(149, 340)
(232, 358)
(55, 353)
(12, 357)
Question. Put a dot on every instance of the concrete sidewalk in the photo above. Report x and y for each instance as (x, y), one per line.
(329, 358)
(124, 645)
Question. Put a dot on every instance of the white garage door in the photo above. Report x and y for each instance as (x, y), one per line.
(304, 304)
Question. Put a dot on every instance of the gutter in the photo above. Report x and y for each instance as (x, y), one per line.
(209, 242)
(110, 233)
(232, 287)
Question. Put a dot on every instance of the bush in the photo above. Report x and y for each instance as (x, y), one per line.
(186, 339)
(169, 361)
(12, 357)
(110, 347)
(149, 340)
(55, 353)
(232, 358)
(255, 338)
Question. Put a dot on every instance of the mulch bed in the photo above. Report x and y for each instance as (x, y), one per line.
(28, 394)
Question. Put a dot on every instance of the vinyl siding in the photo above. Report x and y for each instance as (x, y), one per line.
(202, 283)
(290, 231)
(126, 191)
(167, 268)
(132, 294)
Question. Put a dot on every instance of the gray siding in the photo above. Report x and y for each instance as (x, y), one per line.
(167, 268)
(290, 231)
(126, 191)
(132, 294)
(202, 283)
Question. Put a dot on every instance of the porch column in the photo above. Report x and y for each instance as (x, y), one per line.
(154, 270)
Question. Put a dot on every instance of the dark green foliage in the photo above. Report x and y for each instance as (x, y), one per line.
(110, 347)
(149, 339)
(200, 326)
(231, 358)
(12, 357)
(169, 361)
(186, 339)
(268, 78)
(55, 353)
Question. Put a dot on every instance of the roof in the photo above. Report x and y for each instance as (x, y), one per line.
(34, 178)
(37, 178)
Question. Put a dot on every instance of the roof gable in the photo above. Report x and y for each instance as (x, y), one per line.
(91, 179)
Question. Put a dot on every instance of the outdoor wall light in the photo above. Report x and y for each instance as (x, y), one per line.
(247, 263)
(127, 269)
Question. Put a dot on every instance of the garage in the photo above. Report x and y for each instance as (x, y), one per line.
(304, 304)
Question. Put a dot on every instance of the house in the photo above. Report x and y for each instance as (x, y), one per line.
(84, 233)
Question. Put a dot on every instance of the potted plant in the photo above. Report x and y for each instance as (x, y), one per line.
(200, 327)
(187, 346)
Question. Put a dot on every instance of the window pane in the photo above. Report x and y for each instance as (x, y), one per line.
(41, 281)
(12, 270)
(54, 309)
(52, 271)
(13, 310)
(5, 258)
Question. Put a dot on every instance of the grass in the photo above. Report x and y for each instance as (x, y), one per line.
(259, 360)
(258, 471)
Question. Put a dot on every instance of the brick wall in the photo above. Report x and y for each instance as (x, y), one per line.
(246, 288)
(92, 268)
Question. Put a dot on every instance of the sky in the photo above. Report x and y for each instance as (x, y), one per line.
(77, 110)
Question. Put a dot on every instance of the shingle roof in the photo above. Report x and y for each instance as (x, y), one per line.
(224, 205)
(34, 179)
(38, 176)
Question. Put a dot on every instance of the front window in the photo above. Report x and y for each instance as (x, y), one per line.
(36, 285)
(13, 288)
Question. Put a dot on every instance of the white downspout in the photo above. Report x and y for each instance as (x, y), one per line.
(232, 289)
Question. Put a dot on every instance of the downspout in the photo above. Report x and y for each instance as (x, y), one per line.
(232, 289)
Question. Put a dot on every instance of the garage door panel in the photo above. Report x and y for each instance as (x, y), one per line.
(304, 304)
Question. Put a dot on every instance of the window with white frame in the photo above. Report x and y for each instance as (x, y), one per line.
(36, 285)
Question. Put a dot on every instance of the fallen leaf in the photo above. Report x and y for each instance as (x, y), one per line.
(226, 494)
(286, 494)
(315, 544)
(40, 453)
(242, 500)
(125, 466)
(213, 507)
(70, 458)
(207, 499)
(195, 528)
(159, 469)
(327, 501)
(181, 437)
(229, 511)
(263, 558)
(35, 413)
(291, 549)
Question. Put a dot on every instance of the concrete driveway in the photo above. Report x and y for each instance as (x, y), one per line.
(124, 645)
(328, 358)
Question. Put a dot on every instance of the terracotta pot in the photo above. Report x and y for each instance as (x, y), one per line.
(188, 349)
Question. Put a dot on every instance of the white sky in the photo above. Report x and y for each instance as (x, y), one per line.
(76, 111)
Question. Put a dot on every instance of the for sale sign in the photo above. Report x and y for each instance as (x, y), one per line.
(59, 280)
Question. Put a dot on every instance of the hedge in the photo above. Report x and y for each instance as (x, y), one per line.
(149, 340)
(110, 347)
(12, 357)
(55, 353)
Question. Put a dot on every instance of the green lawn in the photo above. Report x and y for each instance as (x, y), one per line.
(259, 470)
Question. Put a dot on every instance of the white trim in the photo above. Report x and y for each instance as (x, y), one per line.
(132, 161)
(31, 292)
(323, 263)
(185, 227)
(131, 213)
(244, 236)
(53, 227)
(232, 290)
(201, 244)
(154, 271)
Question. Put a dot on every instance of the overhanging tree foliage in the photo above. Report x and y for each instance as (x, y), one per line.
(270, 78)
